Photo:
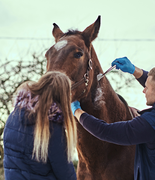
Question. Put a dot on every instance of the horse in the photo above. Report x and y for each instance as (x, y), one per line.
(74, 54)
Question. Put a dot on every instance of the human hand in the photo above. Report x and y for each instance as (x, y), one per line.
(124, 64)
(74, 106)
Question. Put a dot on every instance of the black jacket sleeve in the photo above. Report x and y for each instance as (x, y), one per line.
(130, 132)
(143, 78)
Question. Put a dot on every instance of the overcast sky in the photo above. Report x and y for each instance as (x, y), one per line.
(120, 19)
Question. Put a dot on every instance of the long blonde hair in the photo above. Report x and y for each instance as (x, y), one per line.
(52, 87)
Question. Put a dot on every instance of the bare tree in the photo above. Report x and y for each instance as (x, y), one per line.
(12, 75)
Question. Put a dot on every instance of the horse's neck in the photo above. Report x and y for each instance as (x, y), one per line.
(102, 101)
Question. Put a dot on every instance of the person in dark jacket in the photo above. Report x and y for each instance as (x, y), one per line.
(139, 131)
(40, 134)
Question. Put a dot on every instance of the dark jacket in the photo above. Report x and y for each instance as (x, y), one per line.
(139, 131)
(18, 146)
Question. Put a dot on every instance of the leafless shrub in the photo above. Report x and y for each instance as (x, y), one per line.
(12, 74)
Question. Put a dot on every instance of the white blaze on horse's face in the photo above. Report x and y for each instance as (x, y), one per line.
(59, 45)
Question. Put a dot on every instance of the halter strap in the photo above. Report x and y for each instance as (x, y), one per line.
(85, 77)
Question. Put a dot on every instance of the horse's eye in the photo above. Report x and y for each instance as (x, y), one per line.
(78, 55)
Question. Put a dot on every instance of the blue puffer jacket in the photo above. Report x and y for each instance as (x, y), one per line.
(18, 146)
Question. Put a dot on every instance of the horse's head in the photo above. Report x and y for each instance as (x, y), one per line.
(72, 55)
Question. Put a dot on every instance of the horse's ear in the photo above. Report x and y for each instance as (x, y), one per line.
(91, 32)
(57, 33)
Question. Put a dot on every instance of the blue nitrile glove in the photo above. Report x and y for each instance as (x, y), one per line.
(74, 106)
(124, 64)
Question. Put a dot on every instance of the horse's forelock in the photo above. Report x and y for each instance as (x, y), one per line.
(71, 32)
(76, 32)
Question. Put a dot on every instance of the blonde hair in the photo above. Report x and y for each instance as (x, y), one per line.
(52, 87)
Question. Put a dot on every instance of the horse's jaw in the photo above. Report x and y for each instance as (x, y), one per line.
(94, 102)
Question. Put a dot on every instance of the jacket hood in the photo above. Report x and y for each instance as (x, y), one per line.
(23, 99)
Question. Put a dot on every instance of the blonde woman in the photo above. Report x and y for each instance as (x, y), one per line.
(40, 134)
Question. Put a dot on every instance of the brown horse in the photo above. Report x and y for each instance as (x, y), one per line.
(74, 54)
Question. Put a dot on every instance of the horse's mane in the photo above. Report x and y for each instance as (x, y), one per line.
(123, 100)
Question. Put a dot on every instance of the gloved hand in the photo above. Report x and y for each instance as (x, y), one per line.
(74, 106)
(124, 64)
